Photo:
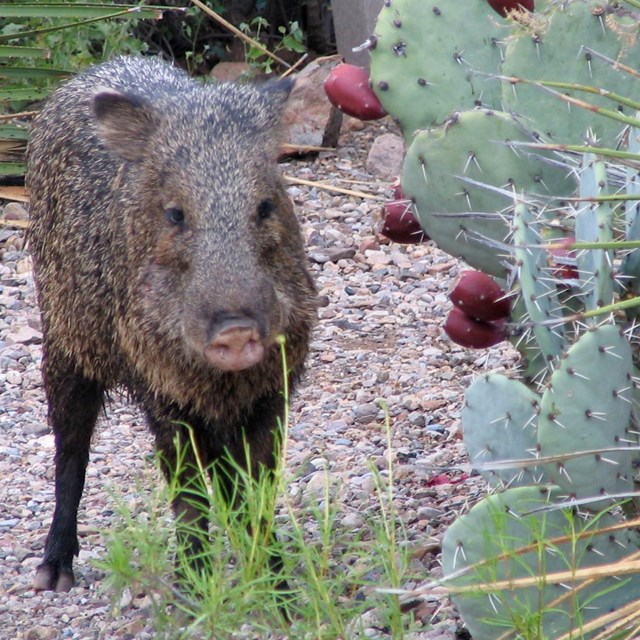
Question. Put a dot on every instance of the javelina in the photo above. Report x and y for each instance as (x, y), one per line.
(167, 259)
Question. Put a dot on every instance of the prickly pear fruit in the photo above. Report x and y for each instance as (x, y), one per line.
(400, 225)
(348, 88)
(504, 7)
(480, 296)
(471, 333)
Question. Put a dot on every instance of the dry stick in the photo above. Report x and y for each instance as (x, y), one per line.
(23, 114)
(623, 622)
(437, 587)
(621, 568)
(289, 147)
(295, 65)
(237, 32)
(328, 187)
(18, 194)
(14, 224)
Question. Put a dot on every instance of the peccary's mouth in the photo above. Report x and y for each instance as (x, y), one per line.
(235, 346)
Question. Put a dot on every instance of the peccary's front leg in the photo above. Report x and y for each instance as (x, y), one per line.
(190, 504)
(256, 432)
(74, 405)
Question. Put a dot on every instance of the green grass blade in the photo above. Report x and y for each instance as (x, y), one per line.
(15, 51)
(17, 95)
(129, 13)
(77, 11)
(36, 73)
(13, 132)
(12, 168)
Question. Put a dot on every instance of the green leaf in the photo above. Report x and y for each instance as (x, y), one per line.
(28, 73)
(13, 168)
(77, 11)
(14, 51)
(13, 132)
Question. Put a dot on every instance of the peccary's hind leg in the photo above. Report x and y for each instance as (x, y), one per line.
(74, 404)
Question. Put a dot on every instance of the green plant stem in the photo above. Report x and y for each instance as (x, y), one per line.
(618, 244)
(585, 315)
(588, 106)
(577, 148)
(615, 97)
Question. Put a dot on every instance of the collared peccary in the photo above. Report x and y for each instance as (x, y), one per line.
(167, 259)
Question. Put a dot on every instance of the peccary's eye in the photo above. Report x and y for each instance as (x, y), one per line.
(175, 216)
(265, 209)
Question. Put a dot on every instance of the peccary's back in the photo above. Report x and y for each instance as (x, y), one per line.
(152, 227)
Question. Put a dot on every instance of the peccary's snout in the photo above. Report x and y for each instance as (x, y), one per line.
(236, 344)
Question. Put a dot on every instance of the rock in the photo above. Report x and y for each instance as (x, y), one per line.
(318, 482)
(370, 243)
(35, 428)
(24, 334)
(366, 413)
(230, 71)
(42, 633)
(310, 119)
(14, 377)
(352, 521)
(332, 254)
(14, 211)
(386, 156)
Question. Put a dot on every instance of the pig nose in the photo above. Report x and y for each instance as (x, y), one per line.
(236, 345)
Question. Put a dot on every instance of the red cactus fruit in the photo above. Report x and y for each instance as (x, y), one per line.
(503, 7)
(348, 88)
(400, 225)
(480, 297)
(471, 333)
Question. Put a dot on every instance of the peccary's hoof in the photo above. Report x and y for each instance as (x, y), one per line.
(52, 578)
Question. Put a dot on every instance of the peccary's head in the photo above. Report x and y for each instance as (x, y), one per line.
(213, 249)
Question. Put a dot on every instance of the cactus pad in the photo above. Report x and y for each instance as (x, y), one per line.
(565, 43)
(510, 536)
(587, 407)
(499, 420)
(423, 62)
(471, 219)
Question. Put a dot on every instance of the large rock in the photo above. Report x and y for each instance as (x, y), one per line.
(310, 118)
(386, 156)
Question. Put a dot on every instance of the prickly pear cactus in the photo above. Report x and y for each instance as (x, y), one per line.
(515, 561)
(539, 293)
(500, 418)
(521, 141)
(583, 410)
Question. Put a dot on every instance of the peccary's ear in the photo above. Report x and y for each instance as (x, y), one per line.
(280, 89)
(277, 93)
(125, 123)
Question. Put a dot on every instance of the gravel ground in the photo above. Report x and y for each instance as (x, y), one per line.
(379, 336)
